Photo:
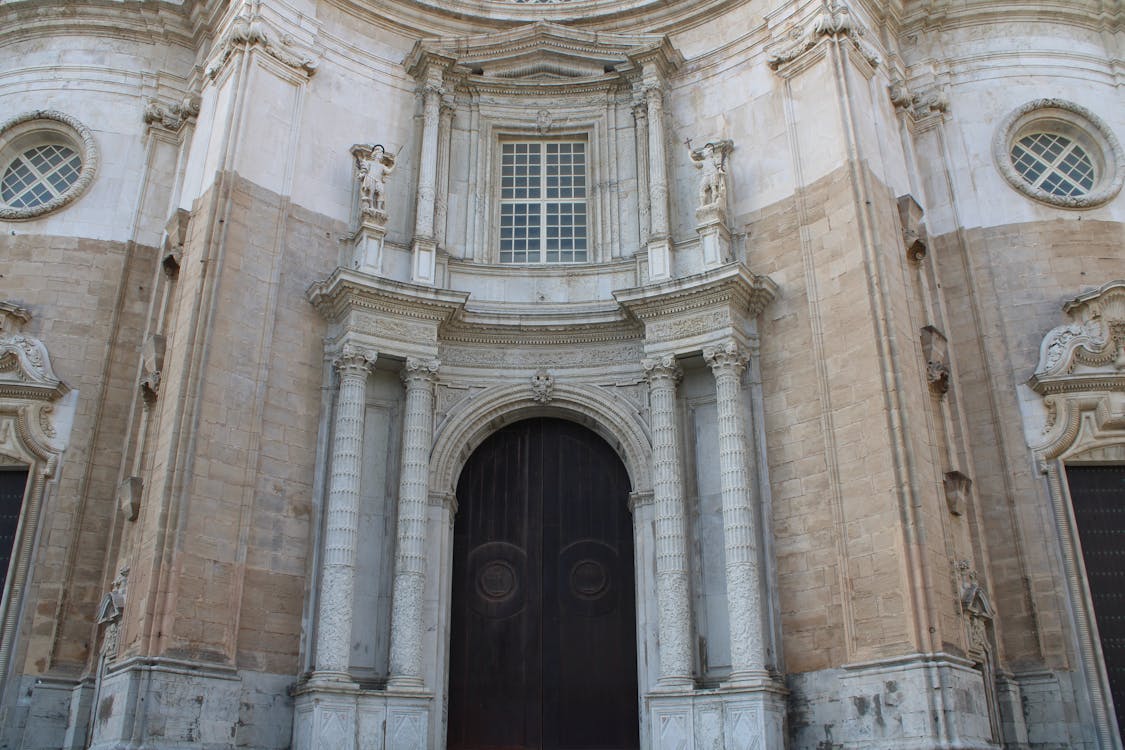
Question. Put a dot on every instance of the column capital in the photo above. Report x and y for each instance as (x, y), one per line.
(419, 371)
(354, 359)
(728, 357)
(663, 368)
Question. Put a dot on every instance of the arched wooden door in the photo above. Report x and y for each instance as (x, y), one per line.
(543, 651)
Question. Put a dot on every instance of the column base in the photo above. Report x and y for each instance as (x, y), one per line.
(726, 717)
(659, 259)
(360, 720)
(327, 680)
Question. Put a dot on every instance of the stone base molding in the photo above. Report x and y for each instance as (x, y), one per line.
(917, 701)
(361, 720)
(742, 718)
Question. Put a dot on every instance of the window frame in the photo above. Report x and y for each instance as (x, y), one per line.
(1080, 125)
(498, 142)
(40, 128)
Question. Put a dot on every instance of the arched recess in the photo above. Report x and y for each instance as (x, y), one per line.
(35, 413)
(474, 419)
(1081, 377)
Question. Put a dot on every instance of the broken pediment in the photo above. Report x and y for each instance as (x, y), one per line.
(1088, 354)
(543, 52)
(25, 367)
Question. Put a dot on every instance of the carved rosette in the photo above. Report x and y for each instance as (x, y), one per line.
(410, 559)
(672, 592)
(334, 623)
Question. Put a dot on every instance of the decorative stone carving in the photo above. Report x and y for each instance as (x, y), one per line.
(918, 104)
(976, 605)
(672, 591)
(25, 366)
(110, 609)
(152, 364)
(935, 348)
(711, 160)
(81, 139)
(172, 116)
(249, 30)
(1088, 354)
(542, 385)
(833, 21)
(913, 231)
(373, 165)
(957, 487)
(129, 497)
(543, 122)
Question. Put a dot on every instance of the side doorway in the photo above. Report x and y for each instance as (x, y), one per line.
(543, 643)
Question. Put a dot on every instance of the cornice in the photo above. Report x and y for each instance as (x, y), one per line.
(135, 20)
(943, 15)
(732, 284)
(346, 290)
(540, 58)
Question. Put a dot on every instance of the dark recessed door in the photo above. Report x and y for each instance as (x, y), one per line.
(543, 642)
(1098, 495)
(12, 486)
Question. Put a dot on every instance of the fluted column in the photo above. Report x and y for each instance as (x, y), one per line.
(672, 588)
(425, 246)
(740, 532)
(410, 556)
(337, 576)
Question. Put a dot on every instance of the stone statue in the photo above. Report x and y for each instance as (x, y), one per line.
(373, 165)
(711, 158)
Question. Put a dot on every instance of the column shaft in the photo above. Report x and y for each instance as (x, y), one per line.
(337, 577)
(428, 156)
(657, 169)
(413, 494)
(740, 532)
(671, 540)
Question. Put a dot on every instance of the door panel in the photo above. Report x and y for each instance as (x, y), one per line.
(543, 650)
(1098, 497)
(12, 486)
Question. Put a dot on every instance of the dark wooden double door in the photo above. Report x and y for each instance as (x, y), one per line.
(543, 642)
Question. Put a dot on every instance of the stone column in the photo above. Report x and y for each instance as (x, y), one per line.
(671, 540)
(740, 532)
(659, 244)
(413, 494)
(425, 246)
(337, 575)
(441, 202)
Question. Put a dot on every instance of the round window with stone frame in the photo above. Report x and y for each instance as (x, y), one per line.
(1059, 153)
(47, 160)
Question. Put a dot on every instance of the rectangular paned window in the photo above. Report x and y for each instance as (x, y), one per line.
(543, 202)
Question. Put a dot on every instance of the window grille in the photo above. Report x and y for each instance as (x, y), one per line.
(543, 202)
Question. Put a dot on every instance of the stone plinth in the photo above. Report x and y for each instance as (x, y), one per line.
(367, 245)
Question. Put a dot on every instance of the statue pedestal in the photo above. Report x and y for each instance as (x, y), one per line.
(367, 255)
(659, 259)
(714, 236)
(423, 268)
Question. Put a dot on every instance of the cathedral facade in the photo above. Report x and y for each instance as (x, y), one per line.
(663, 374)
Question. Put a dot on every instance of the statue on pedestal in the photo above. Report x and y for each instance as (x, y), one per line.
(373, 165)
(711, 159)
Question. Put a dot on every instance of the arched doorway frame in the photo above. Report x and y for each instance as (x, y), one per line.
(1082, 381)
(471, 422)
